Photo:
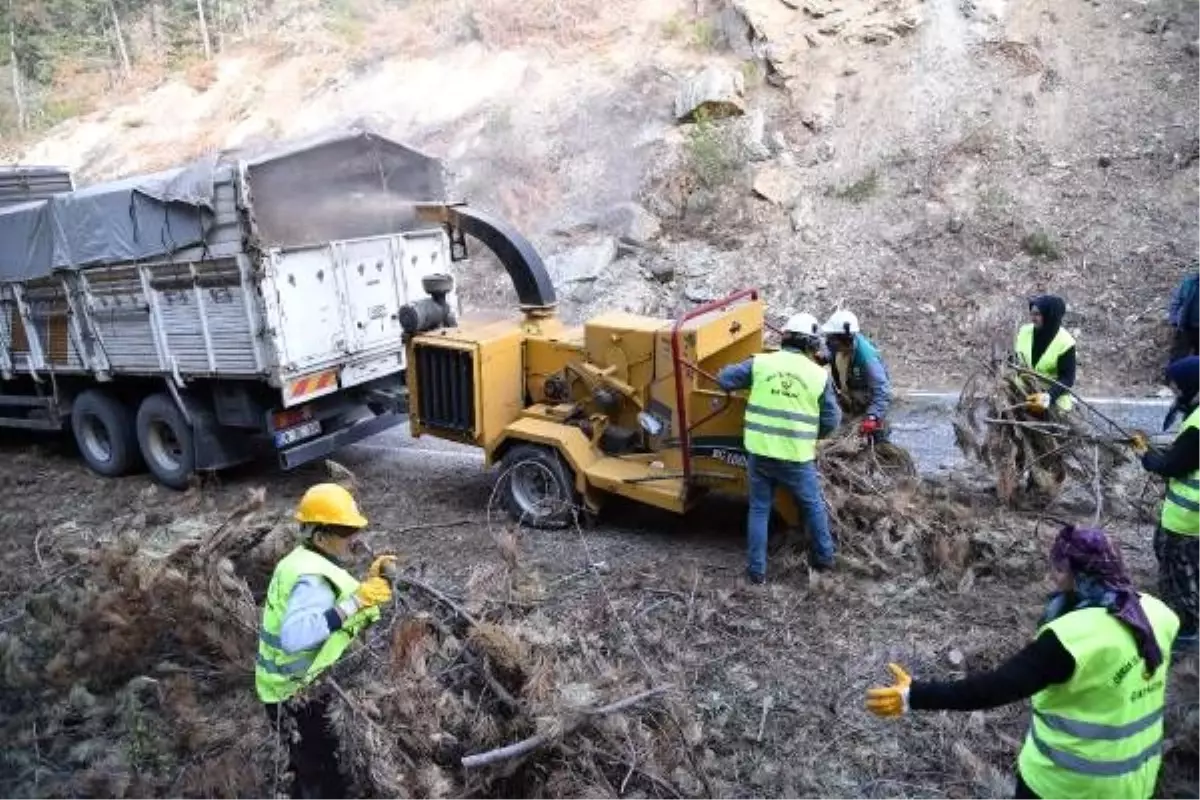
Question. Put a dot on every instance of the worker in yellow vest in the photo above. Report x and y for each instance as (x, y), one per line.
(313, 611)
(1096, 673)
(1177, 539)
(791, 405)
(1048, 349)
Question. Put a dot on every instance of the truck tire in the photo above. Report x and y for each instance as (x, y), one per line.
(105, 433)
(166, 441)
(537, 487)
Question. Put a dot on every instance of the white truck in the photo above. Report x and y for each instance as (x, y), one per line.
(188, 319)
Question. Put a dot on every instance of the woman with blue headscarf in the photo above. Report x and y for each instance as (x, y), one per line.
(1177, 540)
(1095, 674)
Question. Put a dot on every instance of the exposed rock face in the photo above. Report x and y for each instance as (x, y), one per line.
(632, 223)
(715, 92)
(777, 183)
(576, 271)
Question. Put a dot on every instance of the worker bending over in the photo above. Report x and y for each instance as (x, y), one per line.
(314, 609)
(791, 405)
(1097, 673)
(1177, 539)
(1046, 347)
(859, 375)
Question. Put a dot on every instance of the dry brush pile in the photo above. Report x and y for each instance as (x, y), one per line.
(1181, 749)
(130, 673)
(1046, 457)
(890, 522)
(127, 673)
(486, 695)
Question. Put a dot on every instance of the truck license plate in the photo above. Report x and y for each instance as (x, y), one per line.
(293, 435)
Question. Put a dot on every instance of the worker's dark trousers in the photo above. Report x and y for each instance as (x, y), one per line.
(312, 753)
(1184, 343)
(1023, 791)
(1178, 574)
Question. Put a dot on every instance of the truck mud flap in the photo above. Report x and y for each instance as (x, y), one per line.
(322, 446)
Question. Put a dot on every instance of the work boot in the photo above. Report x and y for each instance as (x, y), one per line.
(756, 578)
(819, 565)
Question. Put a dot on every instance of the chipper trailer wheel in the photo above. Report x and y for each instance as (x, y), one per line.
(105, 431)
(537, 487)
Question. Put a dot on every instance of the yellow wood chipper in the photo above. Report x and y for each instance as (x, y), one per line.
(623, 405)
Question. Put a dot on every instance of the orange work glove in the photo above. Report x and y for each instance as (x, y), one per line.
(373, 592)
(1038, 403)
(380, 565)
(890, 701)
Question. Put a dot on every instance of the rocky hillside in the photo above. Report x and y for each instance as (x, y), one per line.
(927, 164)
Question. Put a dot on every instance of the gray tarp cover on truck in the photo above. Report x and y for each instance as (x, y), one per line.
(340, 186)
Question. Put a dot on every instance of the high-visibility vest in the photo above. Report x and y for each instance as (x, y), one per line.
(278, 674)
(1047, 365)
(784, 409)
(1100, 734)
(1181, 507)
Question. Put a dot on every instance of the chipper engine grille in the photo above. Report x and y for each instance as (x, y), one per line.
(445, 388)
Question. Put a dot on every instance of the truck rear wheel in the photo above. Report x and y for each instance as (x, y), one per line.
(104, 430)
(166, 441)
(537, 486)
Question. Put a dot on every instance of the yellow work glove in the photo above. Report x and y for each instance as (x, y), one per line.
(890, 701)
(380, 565)
(1038, 402)
(373, 591)
(1140, 442)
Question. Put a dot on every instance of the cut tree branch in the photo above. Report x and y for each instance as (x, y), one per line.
(437, 595)
(526, 746)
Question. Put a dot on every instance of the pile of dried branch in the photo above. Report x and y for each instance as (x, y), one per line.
(1047, 455)
(136, 679)
(888, 522)
(1181, 751)
(484, 696)
(127, 673)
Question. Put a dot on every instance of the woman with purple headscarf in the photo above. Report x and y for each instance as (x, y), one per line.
(1096, 673)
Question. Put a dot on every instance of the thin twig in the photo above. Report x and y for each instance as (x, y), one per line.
(1073, 393)
(1096, 486)
(367, 718)
(435, 525)
(1047, 428)
(497, 688)
(525, 746)
(632, 765)
(697, 766)
(437, 595)
(692, 601)
(762, 722)
(662, 783)
(37, 549)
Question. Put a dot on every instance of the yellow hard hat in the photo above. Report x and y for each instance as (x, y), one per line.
(329, 504)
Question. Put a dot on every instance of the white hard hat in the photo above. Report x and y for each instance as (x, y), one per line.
(841, 322)
(804, 324)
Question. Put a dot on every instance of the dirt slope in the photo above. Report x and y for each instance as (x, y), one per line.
(945, 160)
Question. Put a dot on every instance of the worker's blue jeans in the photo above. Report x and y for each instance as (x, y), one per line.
(805, 485)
